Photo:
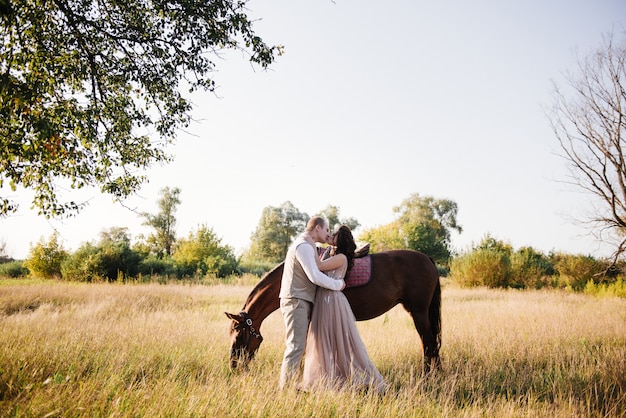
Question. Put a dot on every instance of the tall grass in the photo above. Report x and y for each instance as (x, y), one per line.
(70, 349)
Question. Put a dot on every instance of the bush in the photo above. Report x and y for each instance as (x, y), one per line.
(118, 260)
(45, 258)
(153, 266)
(258, 268)
(576, 271)
(530, 269)
(13, 269)
(84, 265)
(482, 267)
(617, 288)
(202, 254)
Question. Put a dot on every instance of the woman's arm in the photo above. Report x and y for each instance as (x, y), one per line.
(331, 263)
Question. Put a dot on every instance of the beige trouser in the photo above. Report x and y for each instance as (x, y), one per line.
(296, 314)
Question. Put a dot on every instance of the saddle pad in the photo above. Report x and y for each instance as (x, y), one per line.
(360, 273)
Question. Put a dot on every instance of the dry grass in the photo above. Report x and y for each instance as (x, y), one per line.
(161, 350)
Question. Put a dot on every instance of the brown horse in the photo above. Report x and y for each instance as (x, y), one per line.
(398, 276)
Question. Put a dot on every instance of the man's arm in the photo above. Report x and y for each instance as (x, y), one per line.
(306, 256)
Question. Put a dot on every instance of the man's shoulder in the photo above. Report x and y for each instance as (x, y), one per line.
(303, 246)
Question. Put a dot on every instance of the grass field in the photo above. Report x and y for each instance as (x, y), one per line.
(111, 350)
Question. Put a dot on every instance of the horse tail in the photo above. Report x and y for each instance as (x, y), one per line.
(434, 314)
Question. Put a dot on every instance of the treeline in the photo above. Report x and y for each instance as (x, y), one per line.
(423, 224)
(491, 263)
(495, 264)
(113, 258)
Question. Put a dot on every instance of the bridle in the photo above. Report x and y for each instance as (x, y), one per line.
(247, 322)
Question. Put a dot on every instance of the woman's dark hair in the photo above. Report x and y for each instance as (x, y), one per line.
(346, 244)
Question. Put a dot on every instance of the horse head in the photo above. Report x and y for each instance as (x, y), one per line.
(245, 340)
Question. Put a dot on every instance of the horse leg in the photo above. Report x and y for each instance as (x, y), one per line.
(429, 341)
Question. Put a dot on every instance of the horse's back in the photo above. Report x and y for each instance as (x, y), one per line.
(398, 276)
(413, 263)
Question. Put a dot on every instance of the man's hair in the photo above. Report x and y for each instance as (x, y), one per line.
(315, 221)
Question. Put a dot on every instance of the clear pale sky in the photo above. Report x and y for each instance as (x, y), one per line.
(372, 102)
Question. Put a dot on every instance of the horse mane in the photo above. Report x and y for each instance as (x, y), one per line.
(266, 281)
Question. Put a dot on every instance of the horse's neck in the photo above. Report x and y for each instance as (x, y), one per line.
(263, 299)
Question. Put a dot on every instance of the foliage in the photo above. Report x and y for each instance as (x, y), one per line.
(85, 83)
(589, 121)
(203, 254)
(383, 238)
(615, 289)
(152, 266)
(482, 267)
(495, 263)
(110, 259)
(530, 268)
(426, 239)
(117, 256)
(424, 224)
(576, 271)
(276, 230)
(255, 267)
(45, 258)
(331, 214)
(84, 265)
(163, 223)
(13, 269)
(488, 242)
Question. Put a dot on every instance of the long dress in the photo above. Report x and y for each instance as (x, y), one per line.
(335, 355)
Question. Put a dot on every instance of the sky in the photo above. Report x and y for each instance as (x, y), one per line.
(373, 102)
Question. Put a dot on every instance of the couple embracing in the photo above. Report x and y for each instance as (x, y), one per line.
(318, 318)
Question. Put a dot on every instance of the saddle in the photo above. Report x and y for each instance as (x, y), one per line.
(324, 252)
(363, 251)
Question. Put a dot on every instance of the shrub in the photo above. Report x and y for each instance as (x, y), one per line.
(617, 288)
(482, 267)
(576, 271)
(202, 254)
(13, 269)
(84, 265)
(118, 260)
(530, 269)
(45, 258)
(258, 268)
(153, 266)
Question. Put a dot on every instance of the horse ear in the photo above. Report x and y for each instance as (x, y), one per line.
(233, 316)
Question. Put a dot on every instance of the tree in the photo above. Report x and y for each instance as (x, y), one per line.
(276, 230)
(424, 224)
(164, 222)
(111, 259)
(4, 257)
(202, 253)
(331, 214)
(84, 264)
(117, 255)
(383, 238)
(482, 267)
(90, 91)
(45, 258)
(490, 243)
(589, 121)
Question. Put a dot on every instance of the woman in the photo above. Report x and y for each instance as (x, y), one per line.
(335, 354)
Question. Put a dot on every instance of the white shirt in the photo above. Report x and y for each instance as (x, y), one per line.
(306, 256)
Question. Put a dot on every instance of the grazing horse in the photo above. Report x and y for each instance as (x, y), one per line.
(398, 276)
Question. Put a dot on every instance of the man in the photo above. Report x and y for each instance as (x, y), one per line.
(301, 276)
